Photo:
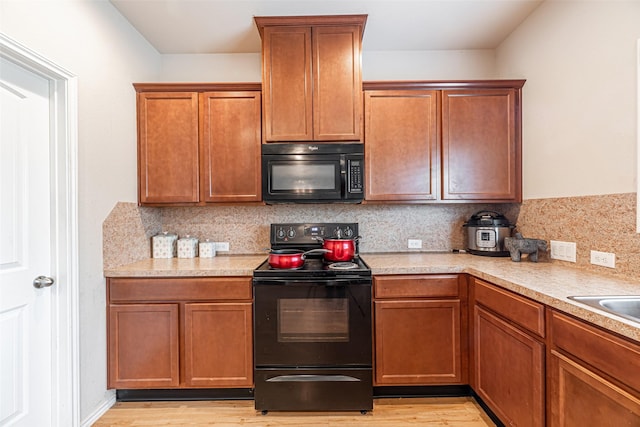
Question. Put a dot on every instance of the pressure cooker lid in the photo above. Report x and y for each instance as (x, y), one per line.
(487, 219)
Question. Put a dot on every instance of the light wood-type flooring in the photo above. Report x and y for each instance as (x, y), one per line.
(396, 412)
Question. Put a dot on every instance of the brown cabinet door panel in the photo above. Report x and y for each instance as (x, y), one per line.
(579, 397)
(417, 286)
(218, 345)
(520, 310)
(480, 147)
(168, 147)
(230, 146)
(417, 342)
(143, 346)
(287, 84)
(337, 83)
(401, 145)
(508, 370)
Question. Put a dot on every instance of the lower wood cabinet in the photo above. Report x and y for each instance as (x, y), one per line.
(419, 332)
(593, 376)
(508, 358)
(179, 333)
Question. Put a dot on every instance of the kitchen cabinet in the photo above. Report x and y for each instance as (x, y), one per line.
(443, 141)
(401, 149)
(419, 329)
(312, 77)
(198, 144)
(179, 332)
(592, 374)
(508, 354)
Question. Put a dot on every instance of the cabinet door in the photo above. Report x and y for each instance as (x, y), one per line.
(230, 146)
(509, 370)
(168, 147)
(312, 83)
(579, 397)
(337, 83)
(287, 84)
(417, 342)
(401, 145)
(481, 145)
(143, 346)
(218, 345)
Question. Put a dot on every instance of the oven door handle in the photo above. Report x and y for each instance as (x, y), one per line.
(311, 283)
(312, 378)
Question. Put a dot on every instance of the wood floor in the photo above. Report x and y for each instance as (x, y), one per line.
(398, 412)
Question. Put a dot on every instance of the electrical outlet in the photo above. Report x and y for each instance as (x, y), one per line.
(564, 251)
(222, 246)
(605, 259)
(415, 244)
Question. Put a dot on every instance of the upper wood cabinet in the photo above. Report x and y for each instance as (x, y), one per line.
(230, 146)
(198, 144)
(481, 147)
(401, 150)
(312, 77)
(168, 147)
(443, 141)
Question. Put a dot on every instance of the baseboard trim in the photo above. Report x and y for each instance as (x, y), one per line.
(185, 394)
(100, 410)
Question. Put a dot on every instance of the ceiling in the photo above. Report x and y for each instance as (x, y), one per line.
(227, 26)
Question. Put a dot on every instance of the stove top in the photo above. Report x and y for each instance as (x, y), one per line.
(314, 267)
(303, 236)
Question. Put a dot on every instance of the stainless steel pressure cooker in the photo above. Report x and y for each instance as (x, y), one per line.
(486, 231)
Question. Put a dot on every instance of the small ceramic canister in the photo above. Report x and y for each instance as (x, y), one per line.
(164, 245)
(207, 249)
(187, 247)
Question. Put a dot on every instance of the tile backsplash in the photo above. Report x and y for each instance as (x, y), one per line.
(604, 223)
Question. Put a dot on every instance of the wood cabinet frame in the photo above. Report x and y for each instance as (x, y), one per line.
(196, 147)
(179, 332)
(472, 161)
(312, 77)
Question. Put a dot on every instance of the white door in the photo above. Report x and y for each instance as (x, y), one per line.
(25, 248)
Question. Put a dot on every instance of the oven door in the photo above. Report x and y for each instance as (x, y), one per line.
(302, 323)
(302, 178)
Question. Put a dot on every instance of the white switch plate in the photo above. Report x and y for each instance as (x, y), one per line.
(222, 246)
(564, 251)
(415, 244)
(605, 259)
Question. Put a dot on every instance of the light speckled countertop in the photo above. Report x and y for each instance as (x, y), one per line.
(548, 283)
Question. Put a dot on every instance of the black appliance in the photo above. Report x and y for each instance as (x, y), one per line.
(312, 173)
(312, 328)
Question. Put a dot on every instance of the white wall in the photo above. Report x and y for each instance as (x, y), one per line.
(376, 65)
(580, 109)
(93, 41)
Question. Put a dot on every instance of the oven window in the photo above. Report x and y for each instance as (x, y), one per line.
(303, 176)
(313, 320)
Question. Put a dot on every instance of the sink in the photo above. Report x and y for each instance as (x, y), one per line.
(624, 306)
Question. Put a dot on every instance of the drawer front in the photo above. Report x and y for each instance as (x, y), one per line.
(416, 286)
(520, 310)
(179, 289)
(610, 354)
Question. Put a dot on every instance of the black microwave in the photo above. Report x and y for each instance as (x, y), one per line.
(312, 173)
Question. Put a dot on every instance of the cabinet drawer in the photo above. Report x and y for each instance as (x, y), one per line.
(441, 285)
(610, 354)
(524, 312)
(179, 289)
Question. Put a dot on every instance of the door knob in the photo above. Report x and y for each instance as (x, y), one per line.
(42, 282)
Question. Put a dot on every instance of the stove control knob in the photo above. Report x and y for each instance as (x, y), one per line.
(292, 233)
(280, 234)
(348, 232)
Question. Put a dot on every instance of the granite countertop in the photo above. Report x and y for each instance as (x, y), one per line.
(548, 283)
